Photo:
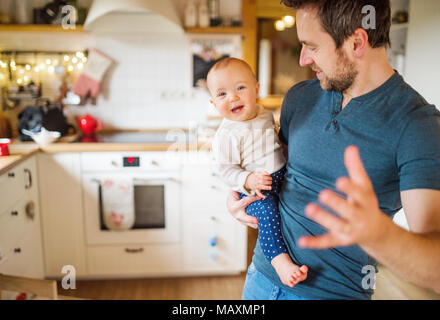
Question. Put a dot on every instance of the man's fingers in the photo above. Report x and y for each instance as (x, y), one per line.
(243, 203)
(352, 190)
(320, 242)
(324, 218)
(249, 221)
(355, 167)
(258, 192)
(337, 204)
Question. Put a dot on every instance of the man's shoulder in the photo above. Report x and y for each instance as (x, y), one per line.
(307, 86)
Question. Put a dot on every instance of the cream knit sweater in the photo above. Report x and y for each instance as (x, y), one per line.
(240, 147)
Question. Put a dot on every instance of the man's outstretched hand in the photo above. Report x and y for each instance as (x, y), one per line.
(361, 222)
(237, 207)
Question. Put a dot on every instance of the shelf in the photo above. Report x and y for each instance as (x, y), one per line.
(271, 102)
(216, 30)
(38, 28)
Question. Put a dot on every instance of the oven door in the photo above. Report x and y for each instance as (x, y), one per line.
(156, 204)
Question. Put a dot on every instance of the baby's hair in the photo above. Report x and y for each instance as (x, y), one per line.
(223, 63)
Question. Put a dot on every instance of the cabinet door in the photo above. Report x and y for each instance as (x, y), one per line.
(62, 216)
(20, 228)
(213, 244)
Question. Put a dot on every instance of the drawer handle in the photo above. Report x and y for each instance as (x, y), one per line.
(29, 178)
(11, 175)
(14, 213)
(17, 250)
(128, 250)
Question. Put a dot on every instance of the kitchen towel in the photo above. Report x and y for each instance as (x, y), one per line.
(89, 81)
(118, 203)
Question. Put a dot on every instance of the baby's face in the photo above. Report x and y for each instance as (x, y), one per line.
(234, 92)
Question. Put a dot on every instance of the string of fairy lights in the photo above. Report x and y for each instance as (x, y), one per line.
(22, 68)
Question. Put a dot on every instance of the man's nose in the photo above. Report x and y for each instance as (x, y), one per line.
(304, 58)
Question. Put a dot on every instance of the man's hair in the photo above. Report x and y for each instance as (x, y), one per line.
(341, 18)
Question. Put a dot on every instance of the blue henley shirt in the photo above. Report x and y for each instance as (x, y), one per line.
(398, 136)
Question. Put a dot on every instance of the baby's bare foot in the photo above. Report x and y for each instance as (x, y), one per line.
(289, 273)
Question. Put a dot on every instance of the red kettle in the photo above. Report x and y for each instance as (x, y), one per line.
(89, 125)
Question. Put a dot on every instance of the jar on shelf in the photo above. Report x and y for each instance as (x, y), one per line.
(203, 14)
(214, 13)
(190, 18)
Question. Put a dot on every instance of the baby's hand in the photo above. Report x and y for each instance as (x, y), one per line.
(258, 181)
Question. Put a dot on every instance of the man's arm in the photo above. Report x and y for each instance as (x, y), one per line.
(414, 255)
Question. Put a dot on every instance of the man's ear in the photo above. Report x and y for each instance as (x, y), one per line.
(360, 42)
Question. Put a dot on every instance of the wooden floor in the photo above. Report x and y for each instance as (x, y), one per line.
(388, 287)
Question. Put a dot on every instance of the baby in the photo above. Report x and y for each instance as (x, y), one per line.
(250, 157)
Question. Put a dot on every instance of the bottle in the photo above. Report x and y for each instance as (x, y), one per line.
(214, 13)
(203, 14)
(190, 14)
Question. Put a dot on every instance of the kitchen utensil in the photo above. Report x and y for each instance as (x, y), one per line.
(43, 137)
(4, 150)
(89, 125)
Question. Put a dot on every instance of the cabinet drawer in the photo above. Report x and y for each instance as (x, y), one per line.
(24, 258)
(14, 224)
(134, 259)
(12, 187)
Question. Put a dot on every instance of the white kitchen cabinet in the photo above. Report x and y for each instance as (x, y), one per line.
(62, 213)
(213, 240)
(21, 251)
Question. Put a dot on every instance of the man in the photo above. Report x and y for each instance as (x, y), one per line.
(358, 107)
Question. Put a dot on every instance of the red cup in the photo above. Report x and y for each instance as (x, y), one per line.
(4, 150)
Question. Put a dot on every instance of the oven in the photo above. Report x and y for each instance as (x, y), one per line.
(131, 197)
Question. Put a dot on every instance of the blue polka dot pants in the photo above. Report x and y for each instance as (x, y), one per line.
(268, 215)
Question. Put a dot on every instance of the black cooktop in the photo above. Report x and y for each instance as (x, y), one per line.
(171, 136)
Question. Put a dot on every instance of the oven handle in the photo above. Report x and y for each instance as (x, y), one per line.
(157, 179)
(101, 213)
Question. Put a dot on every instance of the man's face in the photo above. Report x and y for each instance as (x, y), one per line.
(234, 92)
(333, 67)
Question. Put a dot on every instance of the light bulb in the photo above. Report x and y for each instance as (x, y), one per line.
(84, 59)
(74, 60)
(12, 64)
(19, 81)
(51, 69)
(27, 67)
(79, 54)
(70, 68)
(48, 61)
(289, 21)
(37, 69)
(26, 78)
(66, 58)
(80, 65)
(280, 25)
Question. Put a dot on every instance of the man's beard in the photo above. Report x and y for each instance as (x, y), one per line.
(344, 76)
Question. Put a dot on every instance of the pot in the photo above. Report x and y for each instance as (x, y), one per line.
(4, 150)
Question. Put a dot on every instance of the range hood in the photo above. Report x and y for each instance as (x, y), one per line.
(133, 16)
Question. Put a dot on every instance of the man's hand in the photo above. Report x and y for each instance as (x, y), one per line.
(361, 222)
(258, 181)
(237, 207)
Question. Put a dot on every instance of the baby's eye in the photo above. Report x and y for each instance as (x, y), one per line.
(220, 94)
(241, 87)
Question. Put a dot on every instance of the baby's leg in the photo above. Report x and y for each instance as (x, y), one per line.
(271, 240)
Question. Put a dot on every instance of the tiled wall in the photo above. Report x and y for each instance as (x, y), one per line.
(149, 86)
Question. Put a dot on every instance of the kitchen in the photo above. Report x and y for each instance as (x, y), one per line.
(145, 122)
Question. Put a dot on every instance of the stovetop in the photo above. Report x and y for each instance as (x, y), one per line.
(172, 136)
